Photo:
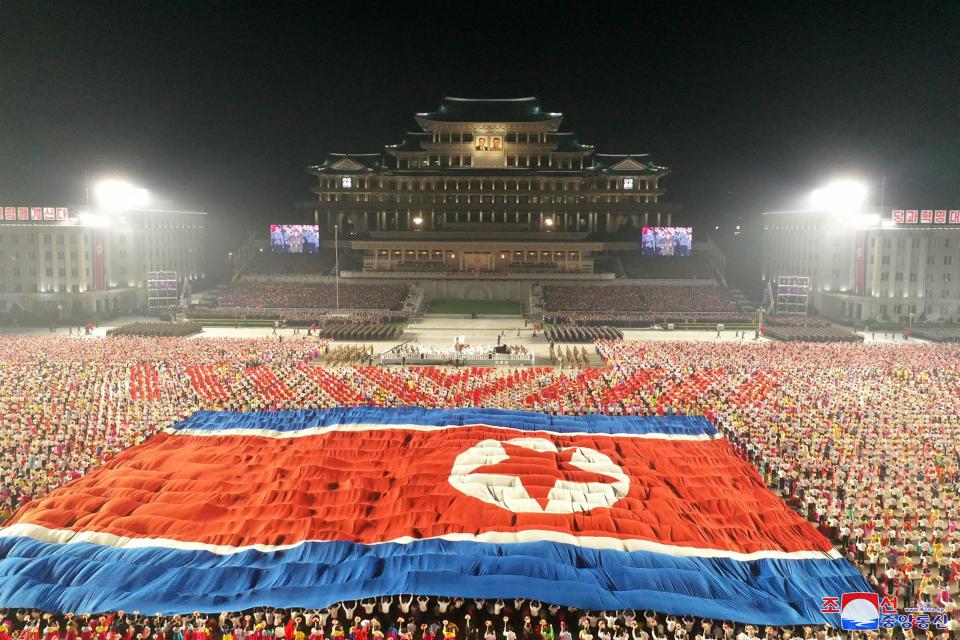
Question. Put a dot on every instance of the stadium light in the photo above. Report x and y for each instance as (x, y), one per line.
(116, 195)
(87, 219)
(840, 196)
(418, 221)
(548, 222)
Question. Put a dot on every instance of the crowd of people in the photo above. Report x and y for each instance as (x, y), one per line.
(638, 305)
(413, 617)
(864, 440)
(252, 294)
(637, 298)
(645, 320)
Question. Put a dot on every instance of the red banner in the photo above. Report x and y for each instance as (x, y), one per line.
(861, 282)
(954, 216)
(98, 279)
(898, 215)
(36, 213)
(49, 213)
(61, 213)
(911, 216)
(10, 213)
(23, 213)
(940, 216)
(926, 216)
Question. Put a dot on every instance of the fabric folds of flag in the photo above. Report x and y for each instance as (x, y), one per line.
(226, 511)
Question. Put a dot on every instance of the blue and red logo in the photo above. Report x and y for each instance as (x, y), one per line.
(859, 611)
(868, 612)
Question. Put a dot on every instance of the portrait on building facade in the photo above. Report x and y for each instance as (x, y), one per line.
(482, 143)
(496, 144)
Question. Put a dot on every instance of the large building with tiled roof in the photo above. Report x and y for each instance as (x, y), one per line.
(492, 175)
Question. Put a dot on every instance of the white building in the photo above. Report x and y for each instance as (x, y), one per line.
(89, 264)
(868, 267)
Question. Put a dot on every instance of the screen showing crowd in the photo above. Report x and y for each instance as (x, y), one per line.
(667, 241)
(295, 238)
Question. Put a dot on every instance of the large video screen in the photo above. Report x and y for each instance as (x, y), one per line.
(295, 238)
(667, 241)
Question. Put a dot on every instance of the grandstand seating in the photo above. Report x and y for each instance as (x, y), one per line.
(280, 295)
(637, 265)
(268, 263)
(638, 305)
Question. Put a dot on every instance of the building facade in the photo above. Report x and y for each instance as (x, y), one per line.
(479, 167)
(869, 268)
(89, 264)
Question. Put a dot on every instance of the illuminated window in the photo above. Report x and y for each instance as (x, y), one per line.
(346, 182)
(628, 183)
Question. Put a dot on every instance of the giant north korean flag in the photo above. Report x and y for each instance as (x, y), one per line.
(226, 511)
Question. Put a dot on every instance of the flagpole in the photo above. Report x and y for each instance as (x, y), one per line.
(336, 261)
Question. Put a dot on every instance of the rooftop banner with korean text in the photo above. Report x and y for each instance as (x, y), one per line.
(227, 511)
(925, 216)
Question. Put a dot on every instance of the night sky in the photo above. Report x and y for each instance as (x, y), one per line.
(220, 105)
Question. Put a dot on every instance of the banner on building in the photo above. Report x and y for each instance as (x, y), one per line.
(925, 216)
(861, 280)
(98, 275)
(34, 214)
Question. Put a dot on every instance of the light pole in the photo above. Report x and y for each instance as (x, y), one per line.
(336, 261)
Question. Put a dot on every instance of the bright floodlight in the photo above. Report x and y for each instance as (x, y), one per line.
(117, 194)
(841, 196)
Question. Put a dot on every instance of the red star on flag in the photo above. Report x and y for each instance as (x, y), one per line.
(539, 471)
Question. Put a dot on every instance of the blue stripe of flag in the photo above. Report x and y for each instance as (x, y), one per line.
(292, 421)
(85, 578)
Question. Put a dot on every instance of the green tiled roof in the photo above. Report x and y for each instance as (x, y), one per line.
(637, 163)
(489, 110)
(353, 163)
(411, 141)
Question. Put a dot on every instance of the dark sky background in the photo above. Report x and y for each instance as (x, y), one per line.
(220, 105)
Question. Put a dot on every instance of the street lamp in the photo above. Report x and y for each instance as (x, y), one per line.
(116, 195)
(548, 222)
(418, 221)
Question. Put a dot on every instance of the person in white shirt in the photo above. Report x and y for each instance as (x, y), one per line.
(498, 607)
(422, 602)
(442, 604)
(405, 604)
(564, 633)
(385, 603)
(368, 605)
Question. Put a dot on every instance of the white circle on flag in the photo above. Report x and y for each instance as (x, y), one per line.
(508, 491)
